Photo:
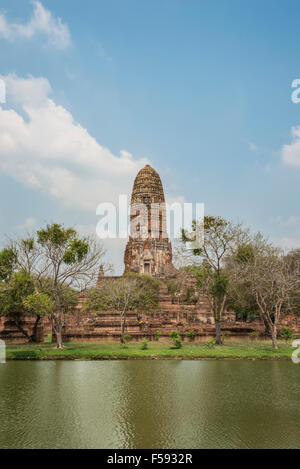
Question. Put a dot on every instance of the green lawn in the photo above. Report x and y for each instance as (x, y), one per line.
(106, 350)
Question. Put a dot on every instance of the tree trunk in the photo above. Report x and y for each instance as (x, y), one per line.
(267, 328)
(58, 332)
(218, 333)
(33, 337)
(25, 333)
(274, 336)
(122, 330)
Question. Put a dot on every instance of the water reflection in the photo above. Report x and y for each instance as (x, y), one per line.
(149, 404)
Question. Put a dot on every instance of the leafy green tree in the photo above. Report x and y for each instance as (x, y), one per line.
(61, 264)
(38, 305)
(70, 264)
(8, 260)
(13, 292)
(132, 292)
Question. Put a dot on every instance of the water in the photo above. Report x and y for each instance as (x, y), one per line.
(150, 404)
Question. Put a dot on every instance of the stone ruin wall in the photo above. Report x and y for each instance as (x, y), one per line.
(82, 326)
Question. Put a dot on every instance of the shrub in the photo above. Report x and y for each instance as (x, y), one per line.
(210, 343)
(145, 344)
(190, 334)
(157, 335)
(254, 335)
(286, 333)
(176, 339)
(177, 343)
(48, 338)
(127, 337)
(174, 334)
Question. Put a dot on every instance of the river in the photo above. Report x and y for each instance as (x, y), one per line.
(150, 404)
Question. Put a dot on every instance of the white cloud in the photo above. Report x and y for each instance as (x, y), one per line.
(288, 243)
(28, 225)
(52, 153)
(291, 152)
(41, 22)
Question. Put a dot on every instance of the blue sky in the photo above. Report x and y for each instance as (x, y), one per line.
(200, 89)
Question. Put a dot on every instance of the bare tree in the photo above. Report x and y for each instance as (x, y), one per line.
(221, 239)
(272, 279)
(133, 292)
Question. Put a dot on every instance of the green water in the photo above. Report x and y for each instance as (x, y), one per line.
(150, 404)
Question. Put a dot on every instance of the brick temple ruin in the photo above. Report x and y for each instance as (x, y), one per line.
(148, 251)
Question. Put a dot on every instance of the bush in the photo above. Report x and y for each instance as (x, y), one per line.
(286, 333)
(177, 343)
(145, 344)
(176, 339)
(48, 338)
(157, 335)
(190, 334)
(210, 343)
(127, 337)
(254, 335)
(174, 334)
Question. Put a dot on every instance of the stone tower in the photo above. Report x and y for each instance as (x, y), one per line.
(148, 250)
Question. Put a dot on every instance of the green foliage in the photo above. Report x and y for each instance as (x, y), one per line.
(210, 343)
(127, 337)
(133, 292)
(48, 338)
(286, 333)
(174, 334)
(176, 339)
(223, 337)
(190, 334)
(14, 292)
(219, 285)
(145, 344)
(245, 253)
(8, 259)
(172, 287)
(76, 251)
(38, 304)
(254, 335)
(189, 295)
(57, 237)
(149, 288)
(157, 335)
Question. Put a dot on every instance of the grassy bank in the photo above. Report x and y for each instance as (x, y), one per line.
(113, 350)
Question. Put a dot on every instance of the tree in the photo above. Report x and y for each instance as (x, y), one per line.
(61, 264)
(272, 279)
(293, 257)
(8, 262)
(221, 239)
(133, 292)
(13, 292)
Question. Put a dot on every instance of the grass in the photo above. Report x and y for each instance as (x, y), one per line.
(113, 350)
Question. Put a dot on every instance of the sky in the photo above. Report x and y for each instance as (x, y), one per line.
(199, 89)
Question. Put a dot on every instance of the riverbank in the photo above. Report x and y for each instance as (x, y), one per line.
(243, 350)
